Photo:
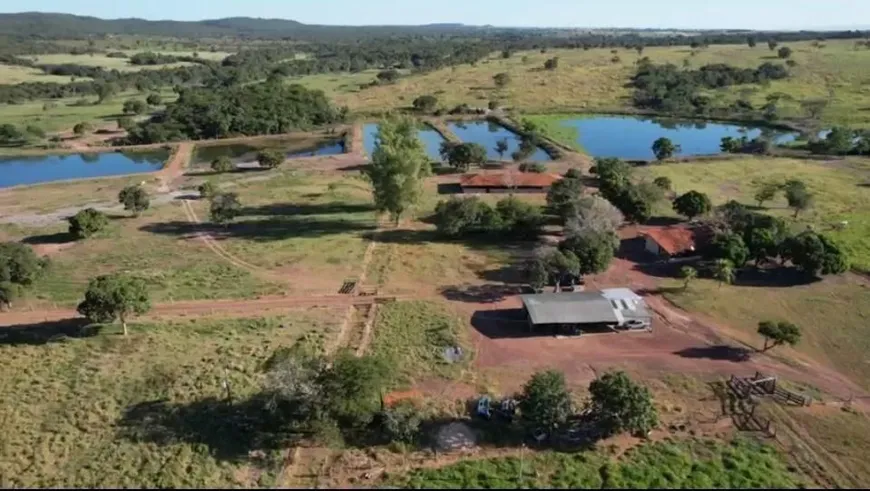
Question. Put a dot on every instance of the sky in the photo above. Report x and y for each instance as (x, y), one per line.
(683, 14)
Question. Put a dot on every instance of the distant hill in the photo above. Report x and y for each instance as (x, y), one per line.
(67, 26)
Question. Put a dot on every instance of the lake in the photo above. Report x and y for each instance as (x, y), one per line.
(242, 152)
(431, 140)
(487, 134)
(631, 138)
(16, 171)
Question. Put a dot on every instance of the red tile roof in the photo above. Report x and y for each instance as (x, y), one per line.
(509, 179)
(672, 240)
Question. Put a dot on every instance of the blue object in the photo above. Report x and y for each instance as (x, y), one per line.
(15, 171)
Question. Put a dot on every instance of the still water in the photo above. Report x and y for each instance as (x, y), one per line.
(15, 171)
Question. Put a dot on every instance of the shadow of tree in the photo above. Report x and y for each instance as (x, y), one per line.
(47, 332)
(718, 352)
(263, 230)
(490, 293)
(307, 209)
(230, 430)
(57, 238)
(503, 323)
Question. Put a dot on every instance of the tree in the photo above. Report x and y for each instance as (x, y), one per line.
(729, 246)
(814, 253)
(552, 63)
(595, 214)
(207, 189)
(814, 107)
(618, 404)
(634, 203)
(772, 44)
(573, 173)
(34, 131)
(9, 292)
(593, 249)
(551, 264)
(354, 387)
(135, 199)
(692, 204)
(126, 123)
(501, 79)
(82, 128)
(688, 273)
(798, 198)
(425, 103)
(766, 191)
(224, 208)
(784, 52)
(9, 133)
(762, 243)
(399, 162)
(663, 183)
(545, 402)
(87, 222)
(518, 219)
(777, 333)
(839, 141)
(223, 164)
(463, 155)
(731, 145)
(401, 422)
(388, 76)
(135, 106)
(532, 167)
(154, 99)
(562, 197)
(723, 271)
(501, 146)
(19, 265)
(115, 296)
(751, 42)
(269, 159)
(105, 91)
(664, 148)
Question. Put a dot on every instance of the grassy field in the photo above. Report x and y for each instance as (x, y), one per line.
(102, 61)
(145, 410)
(591, 80)
(837, 186)
(175, 267)
(678, 464)
(413, 335)
(62, 114)
(46, 198)
(310, 228)
(10, 74)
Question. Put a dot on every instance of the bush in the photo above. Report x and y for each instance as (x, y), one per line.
(269, 159)
(223, 164)
(594, 249)
(82, 128)
(463, 155)
(135, 199)
(154, 100)
(207, 189)
(458, 217)
(533, 167)
(135, 106)
(425, 103)
(87, 222)
(693, 204)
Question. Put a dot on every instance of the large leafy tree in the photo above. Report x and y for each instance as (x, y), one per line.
(563, 196)
(693, 204)
(115, 296)
(269, 159)
(545, 401)
(815, 253)
(135, 199)
(766, 191)
(664, 148)
(222, 164)
(619, 404)
(353, 387)
(723, 272)
(549, 263)
(593, 249)
(19, 268)
(87, 222)
(463, 155)
(225, 207)
(799, 198)
(398, 165)
(777, 333)
(730, 246)
(425, 103)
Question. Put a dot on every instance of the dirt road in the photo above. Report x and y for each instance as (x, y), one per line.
(206, 308)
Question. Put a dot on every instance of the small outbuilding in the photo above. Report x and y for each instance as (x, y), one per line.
(508, 182)
(669, 241)
(576, 311)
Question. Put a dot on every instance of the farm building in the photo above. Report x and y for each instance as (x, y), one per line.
(608, 308)
(504, 182)
(669, 241)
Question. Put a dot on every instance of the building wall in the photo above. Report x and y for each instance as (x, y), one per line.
(494, 190)
(652, 246)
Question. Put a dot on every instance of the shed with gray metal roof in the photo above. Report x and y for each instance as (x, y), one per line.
(570, 308)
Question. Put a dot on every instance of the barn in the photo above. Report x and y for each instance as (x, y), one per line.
(606, 309)
(508, 182)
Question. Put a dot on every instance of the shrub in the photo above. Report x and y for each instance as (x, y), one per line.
(87, 222)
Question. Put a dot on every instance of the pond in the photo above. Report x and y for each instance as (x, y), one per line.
(431, 140)
(16, 171)
(631, 138)
(487, 134)
(243, 152)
